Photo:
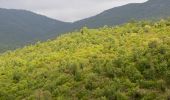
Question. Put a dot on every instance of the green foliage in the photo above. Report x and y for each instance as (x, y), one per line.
(127, 62)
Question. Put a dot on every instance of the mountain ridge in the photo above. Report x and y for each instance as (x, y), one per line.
(133, 11)
(22, 26)
(34, 27)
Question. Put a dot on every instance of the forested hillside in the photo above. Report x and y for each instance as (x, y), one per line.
(127, 62)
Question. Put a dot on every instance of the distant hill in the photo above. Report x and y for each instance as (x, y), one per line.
(20, 27)
(127, 62)
(152, 9)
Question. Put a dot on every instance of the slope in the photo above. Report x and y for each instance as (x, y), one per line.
(152, 9)
(128, 62)
(20, 27)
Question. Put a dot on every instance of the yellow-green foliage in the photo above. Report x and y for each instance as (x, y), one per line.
(128, 62)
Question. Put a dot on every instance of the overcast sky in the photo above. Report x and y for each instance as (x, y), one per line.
(66, 10)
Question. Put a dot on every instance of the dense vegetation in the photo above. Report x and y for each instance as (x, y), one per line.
(127, 62)
(22, 27)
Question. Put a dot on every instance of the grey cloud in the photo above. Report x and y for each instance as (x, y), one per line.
(65, 10)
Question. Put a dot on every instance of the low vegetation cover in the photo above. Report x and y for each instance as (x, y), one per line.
(127, 62)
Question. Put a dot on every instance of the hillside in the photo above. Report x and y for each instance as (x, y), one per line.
(20, 27)
(152, 9)
(127, 62)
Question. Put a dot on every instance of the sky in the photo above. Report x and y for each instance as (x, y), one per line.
(66, 10)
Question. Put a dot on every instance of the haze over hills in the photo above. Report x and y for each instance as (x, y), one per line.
(153, 9)
(20, 27)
